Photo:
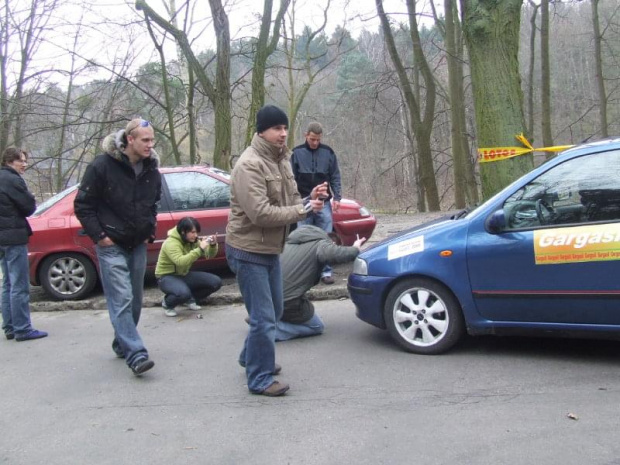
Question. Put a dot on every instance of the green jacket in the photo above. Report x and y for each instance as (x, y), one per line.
(177, 257)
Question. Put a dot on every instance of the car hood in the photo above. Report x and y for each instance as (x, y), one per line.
(432, 225)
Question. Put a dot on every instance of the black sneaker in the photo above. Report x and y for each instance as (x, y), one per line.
(30, 335)
(9, 336)
(142, 365)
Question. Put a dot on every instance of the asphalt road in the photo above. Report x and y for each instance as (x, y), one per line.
(355, 397)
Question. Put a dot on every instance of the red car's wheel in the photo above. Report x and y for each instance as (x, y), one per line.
(68, 276)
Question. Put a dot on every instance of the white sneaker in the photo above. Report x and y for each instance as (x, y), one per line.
(167, 310)
(192, 305)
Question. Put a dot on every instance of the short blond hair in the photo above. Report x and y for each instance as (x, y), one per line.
(135, 124)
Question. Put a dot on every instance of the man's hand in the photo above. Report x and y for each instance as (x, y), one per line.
(335, 205)
(105, 242)
(358, 243)
(319, 191)
(317, 205)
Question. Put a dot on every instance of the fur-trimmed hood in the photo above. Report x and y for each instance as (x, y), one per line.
(114, 145)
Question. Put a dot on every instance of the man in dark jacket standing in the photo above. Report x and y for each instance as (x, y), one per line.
(314, 163)
(117, 206)
(308, 249)
(16, 203)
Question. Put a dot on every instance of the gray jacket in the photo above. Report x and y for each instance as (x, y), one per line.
(306, 252)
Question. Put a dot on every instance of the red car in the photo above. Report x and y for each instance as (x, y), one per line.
(62, 257)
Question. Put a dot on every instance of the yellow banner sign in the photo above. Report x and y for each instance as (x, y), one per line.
(503, 153)
(579, 244)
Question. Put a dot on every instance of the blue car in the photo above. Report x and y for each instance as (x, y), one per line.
(541, 257)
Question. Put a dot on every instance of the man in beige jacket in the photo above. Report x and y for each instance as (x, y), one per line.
(264, 201)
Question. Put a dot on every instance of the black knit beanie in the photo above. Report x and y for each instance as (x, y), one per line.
(268, 117)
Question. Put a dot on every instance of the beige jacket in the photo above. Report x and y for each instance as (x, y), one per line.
(264, 199)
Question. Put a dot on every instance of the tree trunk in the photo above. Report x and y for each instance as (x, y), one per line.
(465, 188)
(223, 130)
(492, 35)
(545, 77)
(530, 71)
(600, 80)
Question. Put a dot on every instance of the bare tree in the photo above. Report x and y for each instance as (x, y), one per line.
(264, 46)
(307, 62)
(21, 25)
(420, 119)
(219, 93)
(465, 186)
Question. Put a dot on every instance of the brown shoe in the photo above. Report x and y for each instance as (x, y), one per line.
(276, 389)
(328, 280)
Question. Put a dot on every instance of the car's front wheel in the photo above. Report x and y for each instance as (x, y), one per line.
(68, 276)
(423, 316)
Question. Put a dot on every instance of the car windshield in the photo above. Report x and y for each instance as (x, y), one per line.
(42, 208)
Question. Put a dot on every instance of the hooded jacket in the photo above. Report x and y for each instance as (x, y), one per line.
(112, 201)
(177, 256)
(16, 203)
(263, 199)
(308, 249)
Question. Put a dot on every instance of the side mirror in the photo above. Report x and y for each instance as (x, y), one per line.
(496, 222)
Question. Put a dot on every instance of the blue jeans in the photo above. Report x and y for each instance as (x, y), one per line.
(322, 219)
(196, 285)
(261, 289)
(15, 289)
(122, 278)
(312, 327)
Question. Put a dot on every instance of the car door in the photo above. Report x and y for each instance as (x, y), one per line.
(198, 194)
(556, 259)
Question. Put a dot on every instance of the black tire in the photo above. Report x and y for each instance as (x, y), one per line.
(68, 276)
(423, 317)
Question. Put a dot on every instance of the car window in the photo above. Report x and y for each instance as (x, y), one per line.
(191, 190)
(43, 207)
(579, 191)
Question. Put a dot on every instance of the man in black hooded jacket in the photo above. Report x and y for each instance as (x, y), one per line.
(117, 206)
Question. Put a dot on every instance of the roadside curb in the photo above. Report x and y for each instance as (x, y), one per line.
(227, 297)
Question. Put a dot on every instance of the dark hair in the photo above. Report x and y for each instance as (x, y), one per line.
(11, 154)
(315, 128)
(186, 224)
(335, 238)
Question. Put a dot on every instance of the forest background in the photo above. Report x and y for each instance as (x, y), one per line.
(404, 100)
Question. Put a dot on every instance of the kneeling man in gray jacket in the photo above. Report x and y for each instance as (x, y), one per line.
(308, 249)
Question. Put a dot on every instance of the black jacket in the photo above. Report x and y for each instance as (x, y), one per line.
(16, 203)
(313, 167)
(112, 201)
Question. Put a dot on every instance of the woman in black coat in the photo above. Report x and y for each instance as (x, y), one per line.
(16, 203)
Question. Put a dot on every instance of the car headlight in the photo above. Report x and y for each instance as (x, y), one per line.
(364, 212)
(360, 267)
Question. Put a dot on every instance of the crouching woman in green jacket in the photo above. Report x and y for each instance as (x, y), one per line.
(174, 277)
